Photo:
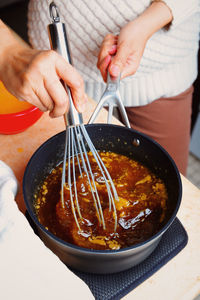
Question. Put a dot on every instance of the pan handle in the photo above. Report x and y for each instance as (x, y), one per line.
(111, 98)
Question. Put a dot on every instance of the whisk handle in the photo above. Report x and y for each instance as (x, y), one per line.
(59, 42)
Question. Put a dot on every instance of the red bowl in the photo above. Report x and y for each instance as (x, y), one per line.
(17, 122)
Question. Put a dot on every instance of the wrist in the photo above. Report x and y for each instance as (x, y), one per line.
(9, 46)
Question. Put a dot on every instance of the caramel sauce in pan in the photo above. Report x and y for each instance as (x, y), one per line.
(141, 208)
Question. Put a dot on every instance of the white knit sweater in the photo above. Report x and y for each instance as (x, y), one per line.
(169, 63)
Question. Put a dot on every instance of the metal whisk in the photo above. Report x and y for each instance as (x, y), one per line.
(77, 138)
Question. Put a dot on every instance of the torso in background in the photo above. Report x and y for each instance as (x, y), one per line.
(168, 66)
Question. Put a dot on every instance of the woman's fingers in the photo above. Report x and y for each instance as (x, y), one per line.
(122, 53)
(120, 59)
(35, 76)
(34, 100)
(116, 53)
(41, 83)
(74, 81)
(58, 99)
(108, 48)
(53, 94)
(103, 66)
(130, 68)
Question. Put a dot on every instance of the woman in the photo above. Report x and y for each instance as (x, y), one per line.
(154, 45)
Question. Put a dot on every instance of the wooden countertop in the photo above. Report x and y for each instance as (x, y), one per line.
(179, 279)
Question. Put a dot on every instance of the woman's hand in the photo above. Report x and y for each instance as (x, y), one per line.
(122, 53)
(34, 76)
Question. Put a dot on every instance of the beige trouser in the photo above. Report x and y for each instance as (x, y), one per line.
(167, 120)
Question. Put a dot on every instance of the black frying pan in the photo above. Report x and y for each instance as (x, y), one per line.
(120, 140)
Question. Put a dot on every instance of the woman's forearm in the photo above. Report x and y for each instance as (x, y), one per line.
(8, 42)
(130, 43)
(7, 37)
(155, 17)
(5, 34)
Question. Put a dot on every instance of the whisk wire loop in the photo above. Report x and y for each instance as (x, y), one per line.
(77, 157)
(89, 173)
(64, 170)
(74, 175)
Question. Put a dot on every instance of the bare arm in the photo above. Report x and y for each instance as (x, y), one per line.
(34, 76)
(129, 46)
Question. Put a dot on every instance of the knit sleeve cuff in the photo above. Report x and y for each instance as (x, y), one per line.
(181, 10)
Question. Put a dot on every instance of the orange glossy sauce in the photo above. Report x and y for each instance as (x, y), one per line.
(9, 103)
(141, 208)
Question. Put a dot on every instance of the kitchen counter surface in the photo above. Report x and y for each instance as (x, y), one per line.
(179, 279)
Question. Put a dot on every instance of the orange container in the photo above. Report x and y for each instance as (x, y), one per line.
(15, 116)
